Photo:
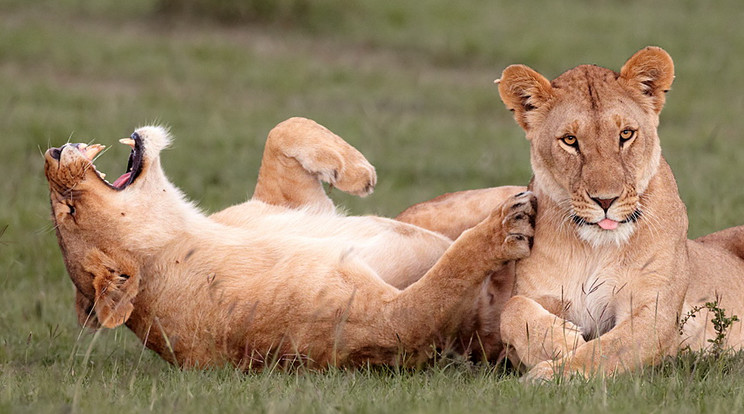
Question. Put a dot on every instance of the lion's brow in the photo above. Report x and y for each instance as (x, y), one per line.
(592, 92)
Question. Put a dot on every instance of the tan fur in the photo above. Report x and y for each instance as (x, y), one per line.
(588, 300)
(623, 289)
(291, 172)
(283, 277)
(451, 214)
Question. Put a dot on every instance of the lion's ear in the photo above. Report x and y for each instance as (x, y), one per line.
(85, 312)
(116, 283)
(649, 71)
(523, 90)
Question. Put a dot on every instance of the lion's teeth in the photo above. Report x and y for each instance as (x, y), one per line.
(127, 141)
(91, 151)
(102, 175)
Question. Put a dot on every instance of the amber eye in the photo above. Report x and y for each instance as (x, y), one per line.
(570, 140)
(626, 135)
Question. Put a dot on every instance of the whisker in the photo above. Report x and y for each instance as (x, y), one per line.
(654, 223)
(47, 229)
(563, 214)
(99, 154)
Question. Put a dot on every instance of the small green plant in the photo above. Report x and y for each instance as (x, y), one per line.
(721, 324)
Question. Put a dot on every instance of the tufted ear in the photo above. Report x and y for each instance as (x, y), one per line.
(649, 71)
(523, 90)
(116, 283)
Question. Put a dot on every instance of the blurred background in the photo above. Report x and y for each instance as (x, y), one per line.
(410, 84)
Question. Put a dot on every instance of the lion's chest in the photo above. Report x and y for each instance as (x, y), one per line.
(588, 291)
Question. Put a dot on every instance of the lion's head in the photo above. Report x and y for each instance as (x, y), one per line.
(592, 132)
(91, 215)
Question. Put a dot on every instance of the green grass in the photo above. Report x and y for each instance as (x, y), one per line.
(410, 85)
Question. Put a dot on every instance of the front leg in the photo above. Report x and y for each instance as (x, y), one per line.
(437, 304)
(642, 339)
(646, 331)
(533, 334)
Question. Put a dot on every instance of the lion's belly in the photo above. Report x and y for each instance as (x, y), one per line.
(399, 253)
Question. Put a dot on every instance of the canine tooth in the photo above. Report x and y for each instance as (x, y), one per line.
(103, 175)
(127, 141)
(92, 151)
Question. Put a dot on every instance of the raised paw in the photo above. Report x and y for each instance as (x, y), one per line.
(506, 234)
(517, 227)
(325, 155)
(299, 155)
(356, 175)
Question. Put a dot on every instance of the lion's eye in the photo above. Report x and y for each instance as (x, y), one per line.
(626, 135)
(72, 209)
(570, 140)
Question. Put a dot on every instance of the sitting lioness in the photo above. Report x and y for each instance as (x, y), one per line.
(611, 272)
(282, 278)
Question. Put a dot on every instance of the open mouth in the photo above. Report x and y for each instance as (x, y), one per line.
(134, 164)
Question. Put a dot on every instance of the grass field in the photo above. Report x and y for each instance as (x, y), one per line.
(410, 85)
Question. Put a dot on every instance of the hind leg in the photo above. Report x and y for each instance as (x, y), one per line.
(731, 239)
(299, 155)
(451, 214)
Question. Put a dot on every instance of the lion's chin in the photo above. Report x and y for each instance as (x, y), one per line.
(596, 236)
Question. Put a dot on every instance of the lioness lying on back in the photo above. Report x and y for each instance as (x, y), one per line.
(611, 270)
(281, 277)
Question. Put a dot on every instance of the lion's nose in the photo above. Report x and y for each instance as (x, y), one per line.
(55, 153)
(605, 203)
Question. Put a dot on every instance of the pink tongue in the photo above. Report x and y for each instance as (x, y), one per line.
(606, 224)
(123, 179)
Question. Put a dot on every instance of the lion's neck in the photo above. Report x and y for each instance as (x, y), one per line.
(156, 216)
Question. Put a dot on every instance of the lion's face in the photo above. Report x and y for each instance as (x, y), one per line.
(77, 194)
(594, 145)
(90, 214)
